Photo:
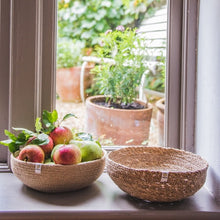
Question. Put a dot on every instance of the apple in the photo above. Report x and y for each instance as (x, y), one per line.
(32, 153)
(67, 155)
(47, 148)
(54, 149)
(61, 135)
(90, 150)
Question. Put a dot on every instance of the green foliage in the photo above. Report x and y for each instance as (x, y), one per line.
(38, 125)
(69, 53)
(49, 119)
(40, 137)
(156, 81)
(14, 142)
(83, 136)
(127, 49)
(69, 115)
(84, 20)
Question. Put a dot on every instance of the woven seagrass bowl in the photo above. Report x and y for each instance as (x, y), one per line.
(157, 174)
(57, 178)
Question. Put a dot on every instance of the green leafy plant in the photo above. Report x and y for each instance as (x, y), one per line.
(85, 20)
(69, 53)
(119, 81)
(156, 80)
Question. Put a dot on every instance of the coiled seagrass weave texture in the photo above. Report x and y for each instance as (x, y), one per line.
(156, 173)
(57, 178)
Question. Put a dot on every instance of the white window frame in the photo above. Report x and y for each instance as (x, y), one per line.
(31, 64)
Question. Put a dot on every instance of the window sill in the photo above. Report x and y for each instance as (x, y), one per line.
(101, 200)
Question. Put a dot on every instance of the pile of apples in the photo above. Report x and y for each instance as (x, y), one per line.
(52, 143)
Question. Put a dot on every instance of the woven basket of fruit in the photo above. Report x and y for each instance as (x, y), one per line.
(55, 177)
(157, 174)
(53, 158)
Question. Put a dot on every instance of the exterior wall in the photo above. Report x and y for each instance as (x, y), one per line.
(208, 92)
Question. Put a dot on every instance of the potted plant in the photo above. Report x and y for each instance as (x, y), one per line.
(117, 114)
(69, 55)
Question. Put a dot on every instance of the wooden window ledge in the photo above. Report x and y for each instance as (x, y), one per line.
(101, 200)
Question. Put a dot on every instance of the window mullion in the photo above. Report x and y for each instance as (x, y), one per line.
(173, 74)
(188, 76)
(48, 99)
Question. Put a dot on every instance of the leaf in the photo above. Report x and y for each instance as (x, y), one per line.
(26, 131)
(86, 34)
(69, 115)
(38, 125)
(100, 26)
(83, 136)
(97, 142)
(41, 139)
(10, 135)
(49, 119)
(6, 142)
(14, 143)
(13, 147)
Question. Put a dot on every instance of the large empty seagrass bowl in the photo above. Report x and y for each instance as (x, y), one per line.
(157, 174)
(57, 178)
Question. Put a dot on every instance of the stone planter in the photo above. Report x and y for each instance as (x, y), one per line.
(160, 120)
(68, 83)
(122, 127)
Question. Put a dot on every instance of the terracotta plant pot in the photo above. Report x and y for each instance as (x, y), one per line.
(68, 83)
(119, 125)
(160, 120)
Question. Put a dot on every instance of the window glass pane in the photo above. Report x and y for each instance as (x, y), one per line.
(130, 67)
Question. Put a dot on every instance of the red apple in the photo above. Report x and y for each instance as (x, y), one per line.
(67, 155)
(47, 148)
(61, 135)
(32, 153)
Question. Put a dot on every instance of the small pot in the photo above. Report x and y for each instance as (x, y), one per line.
(68, 83)
(121, 126)
(160, 120)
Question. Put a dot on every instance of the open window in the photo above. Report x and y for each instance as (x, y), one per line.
(37, 49)
(28, 67)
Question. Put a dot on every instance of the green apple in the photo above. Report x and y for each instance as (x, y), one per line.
(90, 150)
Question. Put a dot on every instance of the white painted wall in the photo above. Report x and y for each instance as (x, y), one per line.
(208, 92)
